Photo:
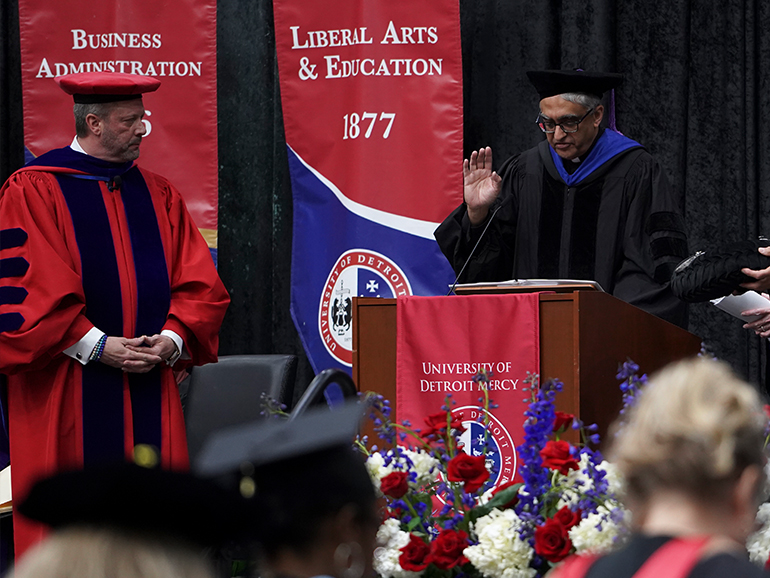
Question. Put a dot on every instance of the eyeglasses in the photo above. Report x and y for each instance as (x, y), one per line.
(548, 126)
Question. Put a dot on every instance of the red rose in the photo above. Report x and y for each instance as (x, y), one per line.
(513, 501)
(562, 421)
(437, 423)
(552, 541)
(446, 551)
(567, 517)
(556, 456)
(766, 409)
(394, 484)
(414, 556)
(469, 469)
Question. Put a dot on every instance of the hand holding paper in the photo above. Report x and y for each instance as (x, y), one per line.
(750, 307)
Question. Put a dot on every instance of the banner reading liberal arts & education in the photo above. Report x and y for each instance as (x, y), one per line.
(172, 41)
(443, 343)
(372, 106)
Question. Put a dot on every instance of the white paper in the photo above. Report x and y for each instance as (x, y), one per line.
(735, 304)
(534, 283)
(5, 485)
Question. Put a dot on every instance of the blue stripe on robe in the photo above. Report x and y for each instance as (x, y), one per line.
(10, 238)
(103, 427)
(153, 299)
(103, 423)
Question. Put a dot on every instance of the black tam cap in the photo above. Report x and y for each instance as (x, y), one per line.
(144, 501)
(293, 473)
(553, 82)
(267, 442)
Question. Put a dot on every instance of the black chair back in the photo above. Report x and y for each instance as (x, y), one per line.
(229, 393)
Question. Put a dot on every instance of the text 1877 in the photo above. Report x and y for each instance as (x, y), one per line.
(354, 122)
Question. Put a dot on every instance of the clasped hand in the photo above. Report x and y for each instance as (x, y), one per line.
(137, 354)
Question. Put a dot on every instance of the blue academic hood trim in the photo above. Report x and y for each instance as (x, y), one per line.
(609, 145)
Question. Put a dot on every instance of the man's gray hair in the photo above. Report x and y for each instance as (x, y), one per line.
(81, 111)
(590, 101)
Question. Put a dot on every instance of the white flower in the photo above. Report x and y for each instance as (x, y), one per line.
(390, 540)
(500, 553)
(425, 465)
(375, 465)
(578, 482)
(587, 538)
(615, 481)
(422, 463)
(758, 544)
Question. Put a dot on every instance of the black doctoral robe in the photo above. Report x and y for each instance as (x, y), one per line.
(618, 225)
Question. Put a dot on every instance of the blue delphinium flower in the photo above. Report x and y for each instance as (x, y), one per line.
(631, 383)
(538, 427)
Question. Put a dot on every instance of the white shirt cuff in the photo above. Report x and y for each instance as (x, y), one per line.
(81, 351)
(179, 345)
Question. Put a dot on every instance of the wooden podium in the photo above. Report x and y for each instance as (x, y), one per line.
(584, 335)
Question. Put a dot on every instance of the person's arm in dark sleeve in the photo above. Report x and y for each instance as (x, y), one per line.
(493, 258)
(654, 243)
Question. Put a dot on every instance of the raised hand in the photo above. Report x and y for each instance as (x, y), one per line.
(481, 185)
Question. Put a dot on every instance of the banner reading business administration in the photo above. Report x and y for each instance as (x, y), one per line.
(173, 41)
(372, 106)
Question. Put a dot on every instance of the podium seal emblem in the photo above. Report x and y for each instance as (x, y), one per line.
(498, 447)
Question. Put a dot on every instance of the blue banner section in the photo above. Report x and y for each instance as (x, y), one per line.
(339, 254)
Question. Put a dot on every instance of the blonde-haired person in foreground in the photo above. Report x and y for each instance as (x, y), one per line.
(692, 453)
(89, 552)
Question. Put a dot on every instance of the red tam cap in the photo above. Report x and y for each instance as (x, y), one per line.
(93, 87)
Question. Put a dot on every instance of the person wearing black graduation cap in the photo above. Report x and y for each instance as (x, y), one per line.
(586, 203)
(313, 503)
(108, 289)
(123, 520)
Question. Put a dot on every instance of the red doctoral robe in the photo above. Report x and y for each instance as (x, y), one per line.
(75, 255)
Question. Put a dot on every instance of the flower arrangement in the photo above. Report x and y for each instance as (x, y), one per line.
(444, 517)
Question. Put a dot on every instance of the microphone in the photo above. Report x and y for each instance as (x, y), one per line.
(114, 183)
(504, 202)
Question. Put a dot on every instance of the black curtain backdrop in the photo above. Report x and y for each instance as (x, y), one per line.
(695, 95)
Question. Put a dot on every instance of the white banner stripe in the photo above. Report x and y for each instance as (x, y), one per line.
(414, 227)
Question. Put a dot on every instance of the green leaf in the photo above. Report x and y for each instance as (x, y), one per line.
(498, 500)
(412, 524)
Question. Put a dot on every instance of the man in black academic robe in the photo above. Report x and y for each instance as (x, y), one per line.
(586, 203)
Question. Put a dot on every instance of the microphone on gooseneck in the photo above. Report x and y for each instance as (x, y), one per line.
(114, 183)
(478, 241)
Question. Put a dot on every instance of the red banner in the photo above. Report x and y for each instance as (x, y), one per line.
(443, 342)
(372, 107)
(172, 41)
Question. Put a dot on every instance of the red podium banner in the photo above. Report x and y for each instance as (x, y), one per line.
(443, 342)
(172, 41)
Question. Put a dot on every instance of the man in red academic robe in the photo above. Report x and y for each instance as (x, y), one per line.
(105, 284)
